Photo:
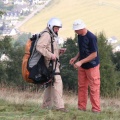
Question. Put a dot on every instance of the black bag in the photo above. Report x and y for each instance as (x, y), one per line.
(39, 73)
(34, 69)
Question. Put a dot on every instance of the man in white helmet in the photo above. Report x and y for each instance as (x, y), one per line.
(88, 67)
(53, 92)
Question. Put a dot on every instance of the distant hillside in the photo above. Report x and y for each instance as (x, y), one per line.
(99, 15)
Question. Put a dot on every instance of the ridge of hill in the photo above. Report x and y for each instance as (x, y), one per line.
(99, 15)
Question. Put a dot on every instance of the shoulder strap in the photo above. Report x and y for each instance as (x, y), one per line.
(52, 49)
(52, 45)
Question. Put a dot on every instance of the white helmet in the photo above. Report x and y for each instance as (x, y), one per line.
(78, 24)
(54, 22)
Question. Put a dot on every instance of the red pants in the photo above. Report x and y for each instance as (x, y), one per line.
(89, 77)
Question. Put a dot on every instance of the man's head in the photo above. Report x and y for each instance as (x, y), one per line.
(54, 24)
(79, 27)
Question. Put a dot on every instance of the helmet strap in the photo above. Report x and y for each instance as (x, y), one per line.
(54, 31)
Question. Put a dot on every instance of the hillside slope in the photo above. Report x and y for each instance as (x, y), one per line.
(99, 15)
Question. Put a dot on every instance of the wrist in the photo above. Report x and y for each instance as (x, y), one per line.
(82, 61)
(75, 58)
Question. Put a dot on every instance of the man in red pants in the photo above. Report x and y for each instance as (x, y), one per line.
(88, 67)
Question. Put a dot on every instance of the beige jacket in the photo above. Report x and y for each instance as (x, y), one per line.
(44, 46)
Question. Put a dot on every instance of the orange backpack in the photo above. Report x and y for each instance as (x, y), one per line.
(34, 69)
(25, 72)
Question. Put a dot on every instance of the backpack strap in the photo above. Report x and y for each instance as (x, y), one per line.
(34, 48)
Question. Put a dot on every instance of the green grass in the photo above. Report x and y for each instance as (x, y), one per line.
(10, 111)
(25, 105)
(99, 15)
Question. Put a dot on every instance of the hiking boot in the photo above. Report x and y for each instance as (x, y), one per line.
(62, 110)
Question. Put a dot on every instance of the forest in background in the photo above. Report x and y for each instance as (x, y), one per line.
(11, 76)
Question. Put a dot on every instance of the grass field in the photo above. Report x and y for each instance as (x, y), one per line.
(99, 15)
(16, 105)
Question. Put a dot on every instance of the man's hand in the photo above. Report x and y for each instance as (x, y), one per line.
(53, 57)
(77, 64)
(62, 51)
(72, 61)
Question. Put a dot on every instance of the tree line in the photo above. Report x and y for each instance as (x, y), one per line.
(11, 74)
